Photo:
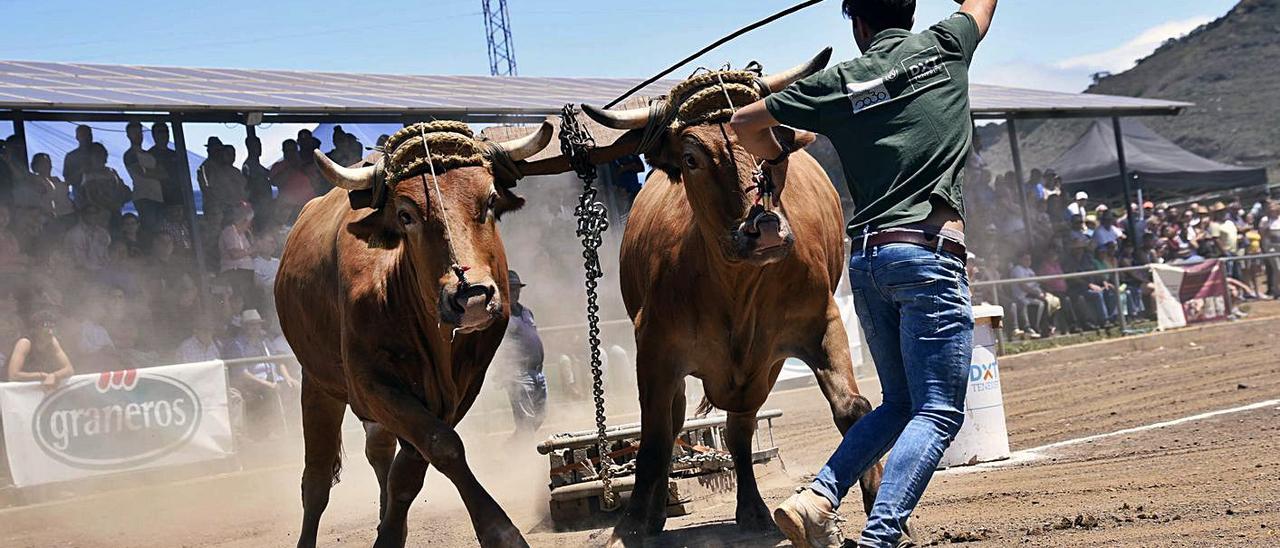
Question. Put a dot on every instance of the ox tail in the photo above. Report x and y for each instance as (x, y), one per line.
(705, 408)
(335, 475)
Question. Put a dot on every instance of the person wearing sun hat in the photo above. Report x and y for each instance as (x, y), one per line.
(1225, 234)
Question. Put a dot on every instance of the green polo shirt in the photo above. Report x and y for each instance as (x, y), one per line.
(898, 117)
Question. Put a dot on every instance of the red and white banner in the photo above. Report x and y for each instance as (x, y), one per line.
(1190, 294)
(107, 423)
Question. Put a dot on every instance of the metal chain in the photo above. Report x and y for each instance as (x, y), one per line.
(576, 144)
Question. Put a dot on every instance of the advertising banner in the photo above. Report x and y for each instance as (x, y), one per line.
(120, 421)
(1189, 294)
(1204, 292)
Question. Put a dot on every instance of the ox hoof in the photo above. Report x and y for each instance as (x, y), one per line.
(631, 532)
(754, 517)
(502, 537)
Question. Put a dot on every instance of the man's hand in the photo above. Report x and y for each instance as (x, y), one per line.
(982, 11)
(753, 124)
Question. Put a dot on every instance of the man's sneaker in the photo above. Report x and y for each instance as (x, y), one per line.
(808, 521)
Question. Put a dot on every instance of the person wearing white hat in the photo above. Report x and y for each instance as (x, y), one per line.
(1078, 207)
(265, 386)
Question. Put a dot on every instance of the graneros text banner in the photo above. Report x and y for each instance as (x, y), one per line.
(115, 422)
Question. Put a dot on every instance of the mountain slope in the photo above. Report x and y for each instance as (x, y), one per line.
(1228, 68)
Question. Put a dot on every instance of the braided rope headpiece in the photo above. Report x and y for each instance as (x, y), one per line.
(702, 98)
(452, 146)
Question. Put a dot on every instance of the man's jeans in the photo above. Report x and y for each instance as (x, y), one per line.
(913, 304)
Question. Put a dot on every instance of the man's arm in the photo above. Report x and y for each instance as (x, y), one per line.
(753, 124)
(982, 11)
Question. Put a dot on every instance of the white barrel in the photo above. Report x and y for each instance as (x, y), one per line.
(984, 436)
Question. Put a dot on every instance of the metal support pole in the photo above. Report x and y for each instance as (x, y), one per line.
(1022, 187)
(1120, 302)
(20, 131)
(1226, 287)
(188, 195)
(250, 131)
(1128, 191)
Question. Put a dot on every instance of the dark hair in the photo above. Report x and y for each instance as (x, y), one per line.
(882, 14)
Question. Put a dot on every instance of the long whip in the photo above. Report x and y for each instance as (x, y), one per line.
(714, 45)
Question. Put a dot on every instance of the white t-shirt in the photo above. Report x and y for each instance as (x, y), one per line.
(192, 350)
(94, 338)
(232, 240)
(264, 271)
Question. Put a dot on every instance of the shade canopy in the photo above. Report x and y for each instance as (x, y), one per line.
(228, 95)
(1161, 166)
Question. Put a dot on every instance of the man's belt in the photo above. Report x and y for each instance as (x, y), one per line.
(914, 237)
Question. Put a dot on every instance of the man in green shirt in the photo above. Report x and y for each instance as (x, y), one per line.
(899, 118)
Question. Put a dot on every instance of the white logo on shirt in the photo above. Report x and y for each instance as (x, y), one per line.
(865, 95)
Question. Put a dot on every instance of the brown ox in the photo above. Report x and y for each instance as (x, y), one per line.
(380, 321)
(720, 288)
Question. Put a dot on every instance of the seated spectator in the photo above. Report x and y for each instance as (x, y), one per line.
(128, 353)
(94, 349)
(130, 234)
(175, 225)
(235, 247)
(1080, 205)
(1028, 299)
(88, 240)
(201, 345)
(122, 272)
(1107, 232)
(1086, 296)
(264, 386)
(44, 192)
(265, 263)
(175, 310)
(39, 357)
(100, 185)
(163, 269)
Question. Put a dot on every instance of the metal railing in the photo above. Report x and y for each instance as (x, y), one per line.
(1115, 276)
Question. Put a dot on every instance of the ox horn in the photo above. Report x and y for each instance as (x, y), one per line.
(527, 146)
(350, 178)
(635, 118)
(777, 82)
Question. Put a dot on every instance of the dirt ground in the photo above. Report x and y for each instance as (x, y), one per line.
(1211, 481)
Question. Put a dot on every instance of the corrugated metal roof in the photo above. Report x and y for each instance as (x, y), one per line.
(41, 86)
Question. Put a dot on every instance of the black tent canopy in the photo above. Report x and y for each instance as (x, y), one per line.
(1159, 167)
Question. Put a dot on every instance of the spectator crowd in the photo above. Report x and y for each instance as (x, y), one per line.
(99, 269)
(1067, 232)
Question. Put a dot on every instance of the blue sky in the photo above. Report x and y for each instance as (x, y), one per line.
(1047, 44)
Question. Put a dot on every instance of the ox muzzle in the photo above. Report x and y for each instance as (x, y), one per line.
(470, 306)
(764, 236)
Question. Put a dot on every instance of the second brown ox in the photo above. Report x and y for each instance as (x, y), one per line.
(725, 289)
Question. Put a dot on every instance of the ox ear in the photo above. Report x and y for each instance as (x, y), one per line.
(793, 139)
(506, 203)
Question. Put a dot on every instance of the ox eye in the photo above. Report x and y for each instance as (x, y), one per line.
(405, 218)
(690, 161)
(490, 204)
